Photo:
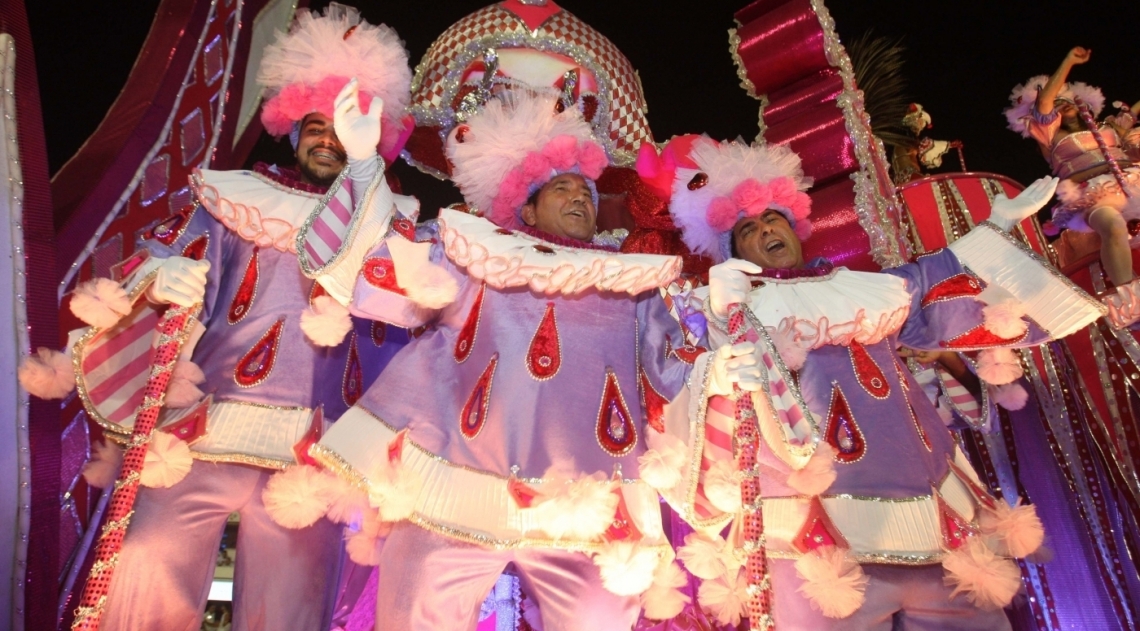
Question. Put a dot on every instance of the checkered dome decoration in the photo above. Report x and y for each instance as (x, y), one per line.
(620, 122)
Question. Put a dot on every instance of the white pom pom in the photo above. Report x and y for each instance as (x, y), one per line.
(783, 338)
(819, 472)
(664, 598)
(999, 366)
(626, 568)
(661, 466)
(987, 580)
(348, 502)
(1011, 396)
(1003, 313)
(365, 544)
(1017, 530)
(834, 583)
(394, 490)
(48, 374)
(581, 509)
(167, 461)
(298, 496)
(102, 469)
(327, 322)
(432, 288)
(100, 302)
(702, 556)
(726, 600)
(722, 486)
(183, 391)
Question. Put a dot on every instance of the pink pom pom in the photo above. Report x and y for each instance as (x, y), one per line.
(1018, 529)
(168, 460)
(803, 229)
(326, 322)
(800, 205)
(834, 583)
(784, 339)
(562, 151)
(298, 496)
(535, 166)
(48, 374)
(998, 366)
(592, 160)
(433, 287)
(183, 391)
(818, 474)
(722, 214)
(100, 302)
(1010, 396)
(103, 467)
(987, 580)
(664, 599)
(752, 196)
(365, 545)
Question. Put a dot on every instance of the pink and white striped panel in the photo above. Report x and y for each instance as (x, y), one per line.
(116, 366)
(330, 227)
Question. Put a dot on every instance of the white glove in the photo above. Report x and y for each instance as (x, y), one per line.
(179, 281)
(728, 284)
(1007, 213)
(735, 364)
(359, 133)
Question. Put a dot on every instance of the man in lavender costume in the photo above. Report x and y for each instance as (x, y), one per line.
(276, 356)
(865, 492)
(543, 358)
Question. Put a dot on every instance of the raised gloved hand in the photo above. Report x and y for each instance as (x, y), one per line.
(179, 281)
(735, 364)
(728, 284)
(1007, 213)
(358, 132)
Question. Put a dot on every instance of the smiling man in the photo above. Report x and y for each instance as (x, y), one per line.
(276, 357)
(872, 514)
(563, 207)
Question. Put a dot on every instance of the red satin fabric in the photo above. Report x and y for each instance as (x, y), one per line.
(819, 136)
(782, 46)
(786, 102)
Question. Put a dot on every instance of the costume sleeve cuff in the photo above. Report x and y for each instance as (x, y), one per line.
(1057, 305)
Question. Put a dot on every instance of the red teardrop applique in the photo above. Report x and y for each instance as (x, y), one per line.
(842, 432)
(192, 425)
(957, 286)
(379, 333)
(246, 292)
(196, 249)
(615, 429)
(474, 414)
(352, 387)
(868, 373)
(955, 529)
(465, 343)
(523, 494)
(169, 229)
(316, 292)
(405, 228)
(622, 527)
(381, 274)
(255, 366)
(311, 437)
(980, 337)
(818, 530)
(654, 403)
(544, 357)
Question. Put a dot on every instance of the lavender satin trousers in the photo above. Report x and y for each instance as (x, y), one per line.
(429, 582)
(283, 579)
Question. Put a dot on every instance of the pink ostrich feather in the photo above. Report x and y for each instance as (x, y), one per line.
(305, 69)
(506, 146)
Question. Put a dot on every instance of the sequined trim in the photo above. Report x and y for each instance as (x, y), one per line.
(478, 402)
(256, 461)
(662, 549)
(882, 559)
(242, 302)
(957, 286)
(544, 354)
(465, 341)
(247, 373)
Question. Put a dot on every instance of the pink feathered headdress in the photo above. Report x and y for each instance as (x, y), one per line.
(305, 69)
(710, 186)
(1024, 97)
(517, 143)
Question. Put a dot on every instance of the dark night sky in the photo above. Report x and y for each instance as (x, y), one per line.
(962, 59)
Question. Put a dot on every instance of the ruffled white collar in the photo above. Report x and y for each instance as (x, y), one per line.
(504, 258)
(256, 208)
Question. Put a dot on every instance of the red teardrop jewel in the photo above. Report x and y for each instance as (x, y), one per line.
(379, 333)
(654, 404)
(381, 273)
(465, 343)
(842, 432)
(353, 385)
(615, 429)
(246, 292)
(699, 181)
(818, 530)
(196, 249)
(405, 228)
(474, 414)
(544, 357)
(868, 373)
(255, 366)
(168, 230)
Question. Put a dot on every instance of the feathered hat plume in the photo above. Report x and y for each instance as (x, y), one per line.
(1024, 97)
(305, 69)
(517, 143)
(711, 185)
